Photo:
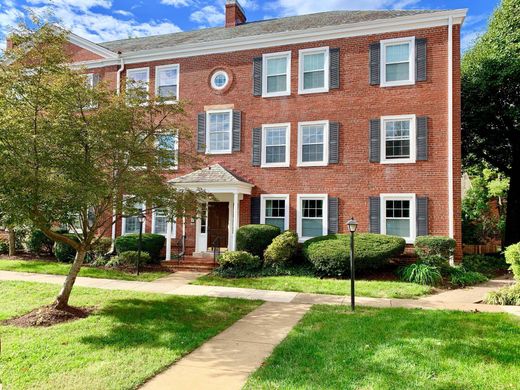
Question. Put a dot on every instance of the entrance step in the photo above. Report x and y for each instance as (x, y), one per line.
(191, 263)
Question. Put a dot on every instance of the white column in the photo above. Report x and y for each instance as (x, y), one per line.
(236, 217)
(114, 219)
(168, 241)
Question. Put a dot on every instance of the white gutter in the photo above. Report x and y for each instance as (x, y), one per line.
(450, 128)
(119, 71)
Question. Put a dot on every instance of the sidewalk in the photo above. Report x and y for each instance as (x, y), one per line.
(178, 284)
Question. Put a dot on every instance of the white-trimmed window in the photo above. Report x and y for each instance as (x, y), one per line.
(276, 74)
(274, 210)
(312, 216)
(313, 143)
(313, 70)
(167, 82)
(398, 216)
(219, 80)
(276, 145)
(219, 131)
(167, 143)
(137, 79)
(398, 62)
(131, 223)
(160, 223)
(398, 139)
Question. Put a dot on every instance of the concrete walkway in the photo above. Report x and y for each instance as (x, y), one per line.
(227, 360)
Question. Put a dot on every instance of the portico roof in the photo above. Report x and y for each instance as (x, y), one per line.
(214, 178)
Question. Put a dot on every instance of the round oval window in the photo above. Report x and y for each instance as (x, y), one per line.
(219, 80)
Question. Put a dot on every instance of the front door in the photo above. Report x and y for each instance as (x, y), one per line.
(218, 221)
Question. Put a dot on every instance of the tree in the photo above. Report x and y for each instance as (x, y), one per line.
(490, 105)
(73, 152)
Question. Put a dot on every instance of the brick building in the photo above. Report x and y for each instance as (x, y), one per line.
(308, 120)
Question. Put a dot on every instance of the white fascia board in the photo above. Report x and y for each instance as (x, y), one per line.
(91, 46)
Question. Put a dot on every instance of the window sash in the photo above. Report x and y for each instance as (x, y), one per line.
(314, 73)
(276, 74)
(397, 141)
(131, 225)
(398, 215)
(167, 80)
(275, 210)
(219, 131)
(313, 137)
(397, 61)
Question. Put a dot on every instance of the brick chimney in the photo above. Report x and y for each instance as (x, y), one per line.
(235, 14)
(8, 43)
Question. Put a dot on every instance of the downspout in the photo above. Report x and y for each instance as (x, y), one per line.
(119, 71)
(450, 130)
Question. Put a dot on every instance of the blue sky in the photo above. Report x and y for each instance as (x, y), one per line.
(104, 20)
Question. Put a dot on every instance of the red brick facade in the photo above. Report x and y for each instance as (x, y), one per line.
(354, 179)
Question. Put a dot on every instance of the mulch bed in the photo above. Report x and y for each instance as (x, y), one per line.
(48, 315)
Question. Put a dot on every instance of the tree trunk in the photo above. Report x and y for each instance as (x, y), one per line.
(62, 301)
(512, 235)
(12, 242)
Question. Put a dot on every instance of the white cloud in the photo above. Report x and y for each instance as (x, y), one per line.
(468, 38)
(83, 5)
(209, 15)
(122, 12)
(177, 3)
(9, 16)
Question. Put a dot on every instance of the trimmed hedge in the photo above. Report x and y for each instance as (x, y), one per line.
(4, 246)
(101, 247)
(64, 252)
(238, 262)
(512, 254)
(151, 244)
(434, 248)
(282, 250)
(330, 254)
(37, 242)
(256, 238)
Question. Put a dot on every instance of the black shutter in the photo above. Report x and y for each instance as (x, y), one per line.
(422, 138)
(375, 214)
(375, 140)
(255, 210)
(375, 63)
(257, 147)
(334, 68)
(257, 76)
(333, 223)
(237, 130)
(421, 206)
(201, 132)
(333, 142)
(420, 59)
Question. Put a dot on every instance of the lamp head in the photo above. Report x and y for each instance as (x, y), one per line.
(352, 225)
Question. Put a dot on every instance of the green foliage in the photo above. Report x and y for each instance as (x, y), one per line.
(4, 246)
(237, 263)
(421, 273)
(509, 295)
(129, 258)
(64, 252)
(282, 250)
(37, 242)
(512, 254)
(256, 238)
(460, 277)
(151, 243)
(101, 247)
(330, 254)
(434, 250)
(486, 264)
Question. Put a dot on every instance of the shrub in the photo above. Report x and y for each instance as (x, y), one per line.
(330, 254)
(238, 263)
(4, 246)
(101, 247)
(64, 252)
(512, 253)
(282, 250)
(37, 242)
(460, 277)
(151, 244)
(435, 249)
(256, 238)
(421, 273)
(486, 264)
(129, 258)
(505, 296)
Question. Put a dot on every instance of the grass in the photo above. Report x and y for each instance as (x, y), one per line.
(309, 284)
(389, 349)
(129, 339)
(55, 268)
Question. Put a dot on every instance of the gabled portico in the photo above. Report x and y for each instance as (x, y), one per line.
(222, 219)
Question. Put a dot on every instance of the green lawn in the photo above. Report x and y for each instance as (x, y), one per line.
(132, 336)
(308, 284)
(390, 349)
(55, 268)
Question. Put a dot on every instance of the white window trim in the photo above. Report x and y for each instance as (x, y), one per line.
(264, 198)
(325, 160)
(208, 143)
(413, 139)
(265, 57)
(123, 222)
(176, 150)
(130, 71)
(163, 67)
(287, 146)
(90, 83)
(214, 76)
(299, 225)
(172, 225)
(389, 42)
(301, 56)
(413, 215)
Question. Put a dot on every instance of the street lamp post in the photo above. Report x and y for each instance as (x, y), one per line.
(352, 226)
(141, 217)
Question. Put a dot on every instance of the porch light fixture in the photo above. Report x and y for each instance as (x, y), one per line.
(352, 227)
